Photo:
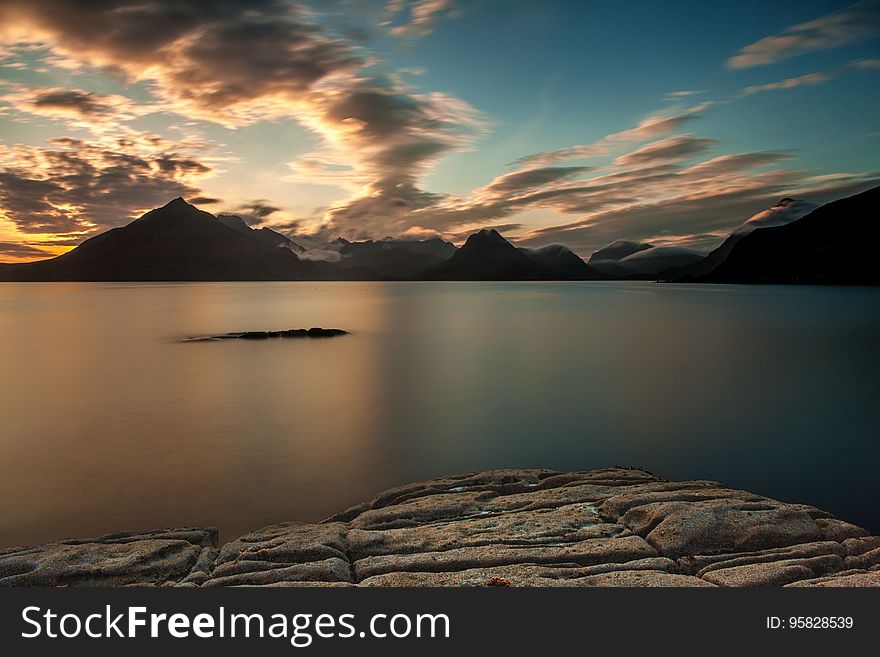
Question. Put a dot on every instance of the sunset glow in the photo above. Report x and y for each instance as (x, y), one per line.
(369, 119)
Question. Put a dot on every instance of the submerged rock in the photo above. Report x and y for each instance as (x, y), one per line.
(611, 527)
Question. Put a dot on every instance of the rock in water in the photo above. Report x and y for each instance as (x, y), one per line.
(315, 332)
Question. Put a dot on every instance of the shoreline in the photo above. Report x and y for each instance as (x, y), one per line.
(527, 527)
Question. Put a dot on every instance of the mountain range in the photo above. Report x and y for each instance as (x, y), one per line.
(794, 241)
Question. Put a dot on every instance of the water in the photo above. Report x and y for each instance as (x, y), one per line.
(107, 422)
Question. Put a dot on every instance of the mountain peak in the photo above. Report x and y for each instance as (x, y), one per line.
(178, 202)
(787, 210)
(486, 236)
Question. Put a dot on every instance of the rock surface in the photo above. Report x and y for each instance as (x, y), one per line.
(612, 527)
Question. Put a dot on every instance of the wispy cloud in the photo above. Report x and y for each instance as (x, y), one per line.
(20, 251)
(671, 149)
(865, 64)
(853, 24)
(652, 126)
(685, 93)
(698, 214)
(422, 15)
(256, 211)
(789, 83)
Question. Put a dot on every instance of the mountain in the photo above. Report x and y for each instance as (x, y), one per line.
(784, 212)
(265, 235)
(175, 242)
(607, 260)
(624, 259)
(650, 262)
(611, 269)
(486, 256)
(834, 244)
(618, 250)
(563, 261)
(394, 258)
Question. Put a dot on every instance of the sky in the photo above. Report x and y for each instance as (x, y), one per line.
(555, 122)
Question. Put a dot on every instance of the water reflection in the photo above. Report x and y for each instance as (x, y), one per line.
(106, 422)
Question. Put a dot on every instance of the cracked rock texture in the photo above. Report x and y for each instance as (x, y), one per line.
(611, 527)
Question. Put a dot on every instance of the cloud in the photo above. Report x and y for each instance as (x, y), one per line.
(236, 63)
(17, 250)
(75, 188)
(73, 101)
(664, 202)
(423, 14)
(77, 107)
(652, 126)
(685, 93)
(256, 212)
(388, 138)
(221, 58)
(789, 83)
(841, 28)
(865, 64)
(671, 149)
(527, 179)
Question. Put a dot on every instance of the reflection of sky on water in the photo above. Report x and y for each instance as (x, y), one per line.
(108, 423)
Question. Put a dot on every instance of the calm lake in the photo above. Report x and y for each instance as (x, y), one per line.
(108, 422)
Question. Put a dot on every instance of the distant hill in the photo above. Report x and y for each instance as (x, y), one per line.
(393, 258)
(640, 260)
(487, 256)
(834, 244)
(651, 262)
(176, 242)
(562, 260)
(264, 234)
(618, 250)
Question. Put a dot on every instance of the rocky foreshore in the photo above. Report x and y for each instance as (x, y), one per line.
(612, 527)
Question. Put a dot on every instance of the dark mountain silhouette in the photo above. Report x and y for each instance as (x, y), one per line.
(487, 256)
(264, 234)
(606, 261)
(640, 260)
(784, 212)
(564, 262)
(395, 259)
(611, 269)
(433, 246)
(618, 250)
(834, 244)
(651, 262)
(831, 244)
(175, 242)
